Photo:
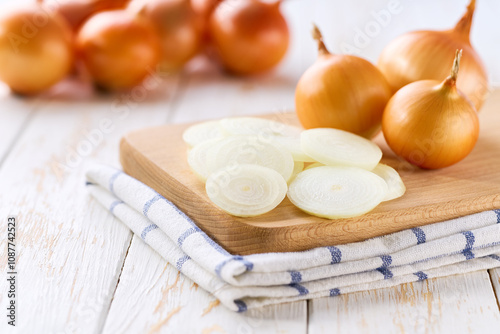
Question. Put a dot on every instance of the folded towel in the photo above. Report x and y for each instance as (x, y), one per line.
(242, 282)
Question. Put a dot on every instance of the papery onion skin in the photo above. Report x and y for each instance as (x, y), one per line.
(76, 12)
(249, 36)
(36, 49)
(343, 92)
(118, 49)
(431, 124)
(178, 28)
(422, 55)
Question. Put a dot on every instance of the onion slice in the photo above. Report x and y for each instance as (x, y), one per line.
(235, 150)
(285, 135)
(198, 158)
(247, 190)
(298, 166)
(337, 192)
(396, 187)
(314, 165)
(340, 148)
(201, 132)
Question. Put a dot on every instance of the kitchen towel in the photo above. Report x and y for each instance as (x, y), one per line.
(243, 282)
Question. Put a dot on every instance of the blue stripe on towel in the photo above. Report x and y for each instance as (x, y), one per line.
(421, 275)
(181, 261)
(386, 272)
(242, 307)
(420, 234)
(112, 180)
(186, 234)
(113, 205)
(148, 204)
(248, 264)
(300, 288)
(336, 254)
(296, 276)
(384, 269)
(470, 239)
(88, 183)
(148, 229)
(496, 257)
(498, 215)
(334, 292)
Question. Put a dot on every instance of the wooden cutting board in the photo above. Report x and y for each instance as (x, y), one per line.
(157, 157)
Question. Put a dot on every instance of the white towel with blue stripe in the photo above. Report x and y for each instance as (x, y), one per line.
(243, 282)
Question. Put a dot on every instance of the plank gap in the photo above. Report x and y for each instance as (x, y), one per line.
(103, 323)
(180, 88)
(18, 135)
(493, 276)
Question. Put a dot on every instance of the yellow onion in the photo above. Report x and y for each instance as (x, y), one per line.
(422, 55)
(343, 92)
(178, 29)
(249, 36)
(431, 124)
(77, 11)
(118, 49)
(36, 49)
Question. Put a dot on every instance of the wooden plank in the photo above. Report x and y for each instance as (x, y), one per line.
(454, 304)
(70, 250)
(153, 297)
(157, 157)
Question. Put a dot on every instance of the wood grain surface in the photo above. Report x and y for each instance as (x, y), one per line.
(157, 157)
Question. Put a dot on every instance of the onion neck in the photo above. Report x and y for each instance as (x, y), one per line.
(450, 83)
(318, 37)
(463, 27)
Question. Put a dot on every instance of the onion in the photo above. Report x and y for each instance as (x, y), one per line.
(337, 192)
(203, 10)
(248, 191)
(343, 92)
(77, 11)
(340, 148)
(431, 124)
(422, 55)
(36, 49)
(178, 28)
(201, 132)
(118, 49)
(249, 36)
(396, 187)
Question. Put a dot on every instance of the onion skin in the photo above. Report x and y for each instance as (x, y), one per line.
(36, 49)
(118, 49)
(431, 124)
(423, 55)
(76, 12)
(249, 36)
(178, 28)
(343, 92)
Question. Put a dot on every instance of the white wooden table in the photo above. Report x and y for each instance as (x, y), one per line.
(81, 271)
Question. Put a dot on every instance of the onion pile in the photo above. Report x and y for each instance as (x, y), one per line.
(343, 92)
(36, 49)
(249, 36)
(118, 49)
(422, 55)
(246, 170)
(431, 124)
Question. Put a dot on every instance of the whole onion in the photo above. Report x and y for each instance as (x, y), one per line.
(421, 55)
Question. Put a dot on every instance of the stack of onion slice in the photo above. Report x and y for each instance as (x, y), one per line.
(247, 162)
